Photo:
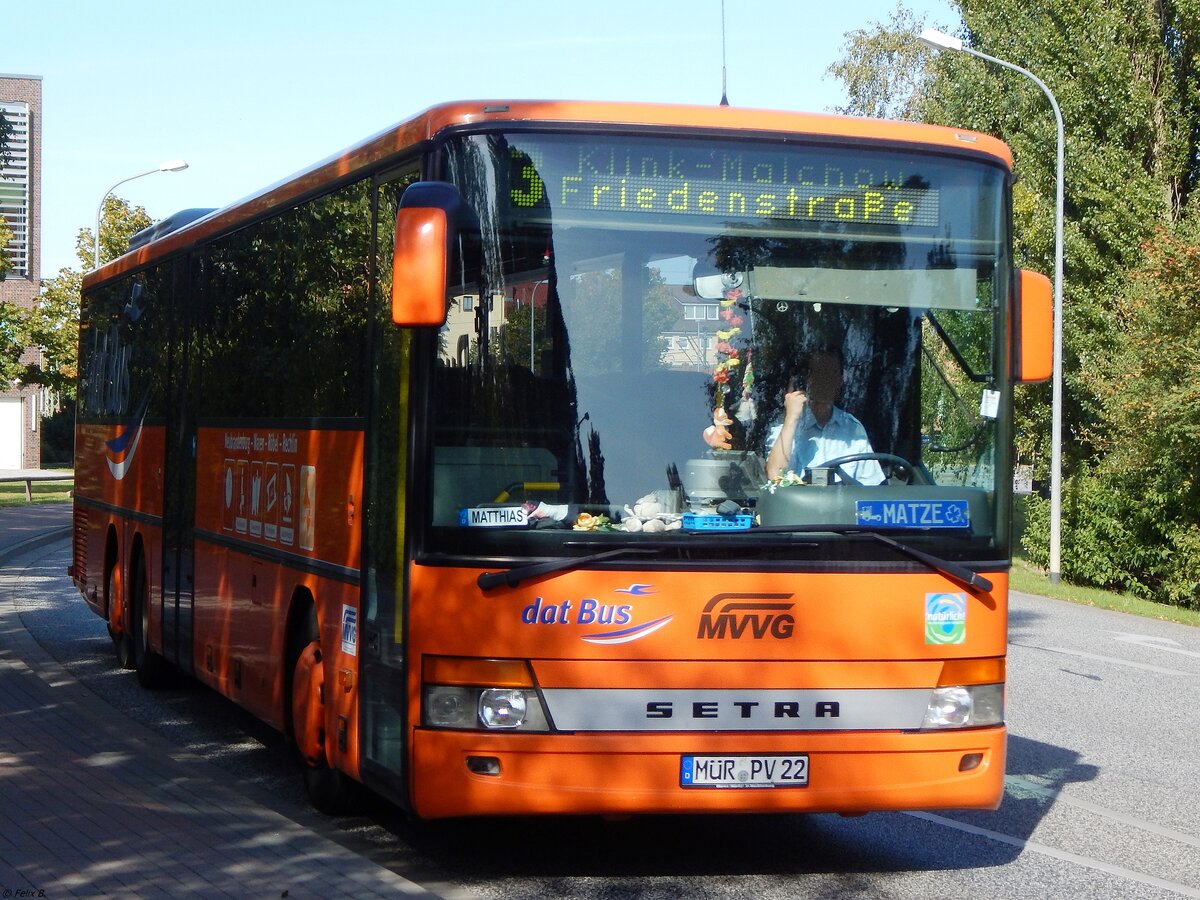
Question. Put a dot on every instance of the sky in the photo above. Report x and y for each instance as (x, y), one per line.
(251, 91)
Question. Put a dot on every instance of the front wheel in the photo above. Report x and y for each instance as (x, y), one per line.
(329, 790)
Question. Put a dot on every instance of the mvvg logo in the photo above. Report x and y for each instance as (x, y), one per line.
(756, 615)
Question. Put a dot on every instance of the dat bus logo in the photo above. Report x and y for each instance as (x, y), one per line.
(753, 615)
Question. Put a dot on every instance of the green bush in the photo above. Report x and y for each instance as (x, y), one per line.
(1124, 535)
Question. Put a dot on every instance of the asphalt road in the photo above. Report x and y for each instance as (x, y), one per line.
(1102, 800)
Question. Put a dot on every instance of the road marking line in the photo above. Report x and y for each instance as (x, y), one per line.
(1055, 853)
(1110, 659)
(1154, 643)
(1058, 796)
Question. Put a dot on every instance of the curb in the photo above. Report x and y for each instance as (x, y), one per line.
(61, 533)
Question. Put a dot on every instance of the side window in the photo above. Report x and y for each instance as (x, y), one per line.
(285, 312)
(122, 347)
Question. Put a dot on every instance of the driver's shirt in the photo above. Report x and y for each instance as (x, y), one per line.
(814, 445)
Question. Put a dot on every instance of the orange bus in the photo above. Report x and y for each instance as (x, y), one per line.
(447, 458)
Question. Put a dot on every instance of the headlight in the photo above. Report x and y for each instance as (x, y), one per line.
(480, 694)
(489, 709)
(965, 706)
(450, 707)
(503, 708)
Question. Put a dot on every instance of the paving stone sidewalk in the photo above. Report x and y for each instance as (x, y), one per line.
(95, 805)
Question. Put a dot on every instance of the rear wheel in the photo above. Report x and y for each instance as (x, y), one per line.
(329, 790)
(122, 643)
(152, 670)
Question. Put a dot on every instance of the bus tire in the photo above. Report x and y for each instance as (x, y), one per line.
(151, 668)
(328, 789)
(122, 643)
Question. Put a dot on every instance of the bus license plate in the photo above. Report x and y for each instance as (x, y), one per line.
(744, 771)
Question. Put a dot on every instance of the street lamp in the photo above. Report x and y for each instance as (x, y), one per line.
(938, 40)
(173, 165)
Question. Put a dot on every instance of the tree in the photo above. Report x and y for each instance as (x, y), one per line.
(12, 342)
(118, 223)
(884, 69)
(1142, 495)
(6, 235)
(1126, 74)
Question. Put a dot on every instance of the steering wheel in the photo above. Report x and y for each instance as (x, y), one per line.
(898, 465)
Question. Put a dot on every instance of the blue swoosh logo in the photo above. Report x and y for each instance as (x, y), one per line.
(122, 449)
(637, 590)
(626, 635)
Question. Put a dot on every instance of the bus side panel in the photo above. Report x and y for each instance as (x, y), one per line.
(278, 521)
(118, 488)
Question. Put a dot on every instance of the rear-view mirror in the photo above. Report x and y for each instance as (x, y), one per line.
(425, 232)
(1034, 328)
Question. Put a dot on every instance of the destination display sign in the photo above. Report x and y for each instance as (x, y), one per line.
(659, 180)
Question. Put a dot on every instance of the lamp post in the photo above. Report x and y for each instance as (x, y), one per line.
(938, 40)
(173, 165)
(532, 310)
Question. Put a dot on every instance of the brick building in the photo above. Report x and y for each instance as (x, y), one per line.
(20, 205)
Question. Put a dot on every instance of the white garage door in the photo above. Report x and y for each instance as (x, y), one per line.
(10, 434)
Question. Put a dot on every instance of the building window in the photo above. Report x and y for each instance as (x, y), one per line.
(14, 186)
(700, 312)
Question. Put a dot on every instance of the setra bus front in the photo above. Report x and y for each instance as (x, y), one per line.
(626, 594)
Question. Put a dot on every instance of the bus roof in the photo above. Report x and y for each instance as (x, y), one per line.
(426, 125)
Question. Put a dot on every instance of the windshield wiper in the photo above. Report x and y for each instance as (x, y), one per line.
(515, 576)
(959, 574)
(968, 578)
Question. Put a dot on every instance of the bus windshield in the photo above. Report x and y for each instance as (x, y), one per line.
(629, 314)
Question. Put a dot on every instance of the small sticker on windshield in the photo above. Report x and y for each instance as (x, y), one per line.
(989, 404)
(914, 513)
(494, 517)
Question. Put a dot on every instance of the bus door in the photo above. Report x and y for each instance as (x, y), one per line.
(383, 661)
(179, 476)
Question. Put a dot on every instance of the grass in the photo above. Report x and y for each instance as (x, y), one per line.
(13, 493)
(1027, 578)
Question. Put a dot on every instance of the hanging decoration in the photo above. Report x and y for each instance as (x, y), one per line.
(729, 361)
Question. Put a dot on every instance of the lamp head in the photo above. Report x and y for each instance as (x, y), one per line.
(939, 40)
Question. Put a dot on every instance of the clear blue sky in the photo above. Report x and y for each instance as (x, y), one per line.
(251, 91)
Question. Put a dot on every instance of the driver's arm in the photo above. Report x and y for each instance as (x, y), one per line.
(779, 459)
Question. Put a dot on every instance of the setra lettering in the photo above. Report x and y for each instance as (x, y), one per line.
(742, 709)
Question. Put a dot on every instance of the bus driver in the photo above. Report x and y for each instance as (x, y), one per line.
(814, 431)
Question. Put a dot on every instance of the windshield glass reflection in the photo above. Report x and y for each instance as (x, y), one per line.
(659, 338)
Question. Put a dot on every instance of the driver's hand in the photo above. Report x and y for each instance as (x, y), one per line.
(793, 405)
